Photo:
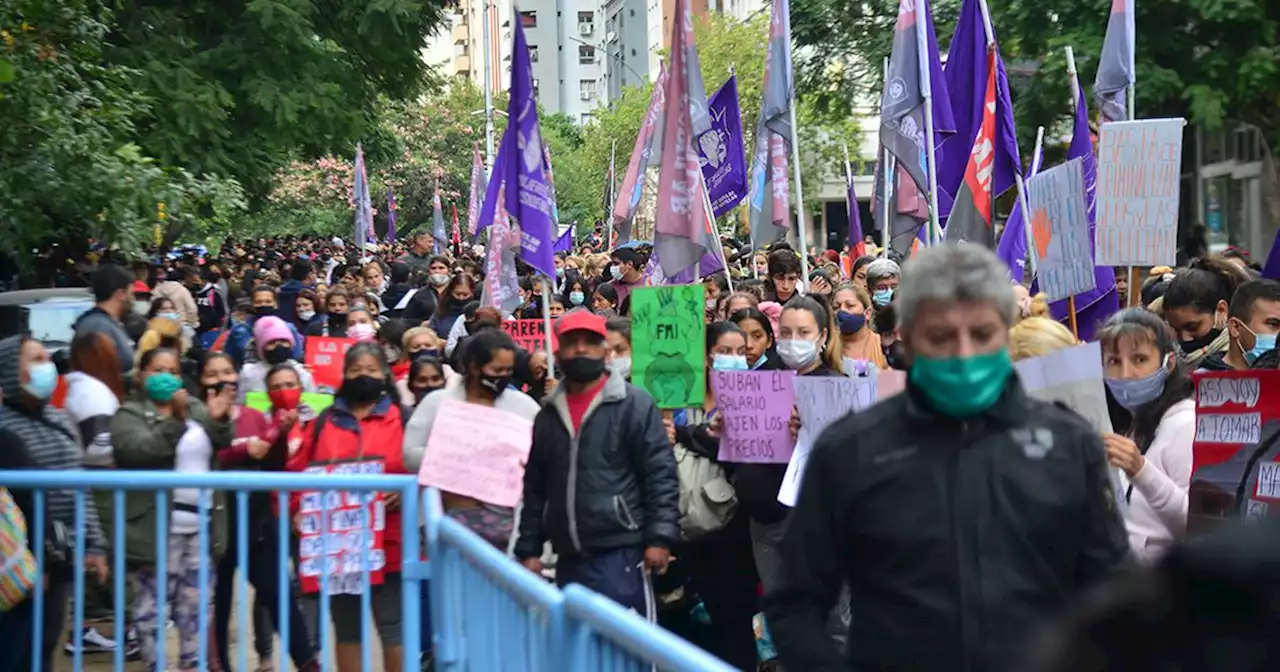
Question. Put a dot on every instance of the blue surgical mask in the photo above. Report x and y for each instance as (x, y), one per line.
(172, 316)
(722, 362)
(1262, 344)
(851, 323)
(576, 298)
(1133, 394)
(43, 380)
(882, 297)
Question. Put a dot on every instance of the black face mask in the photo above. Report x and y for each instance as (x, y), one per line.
(582, 369)
(263, 311)
(494, 385)
(337, 319)
(278, 355)
(422, 393)
(362, 389)
(895, 356)
(429, 353)
(1191, 346)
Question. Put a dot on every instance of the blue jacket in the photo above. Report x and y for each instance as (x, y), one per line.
(240, 339)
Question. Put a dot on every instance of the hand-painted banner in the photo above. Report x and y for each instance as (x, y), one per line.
(1139, 173)
(1231, 409)
(820, 401)
(341, 534)
(1072, 377)
(478, 452)
(1060, 224)
(668, 337)
(528, 334)
(756, 410)
(324, 355)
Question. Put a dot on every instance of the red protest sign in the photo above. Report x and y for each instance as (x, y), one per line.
(324, 355)
(1231, 409)
(528, 334)
(341, 534)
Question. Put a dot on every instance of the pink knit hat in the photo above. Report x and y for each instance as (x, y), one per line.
(270, 328)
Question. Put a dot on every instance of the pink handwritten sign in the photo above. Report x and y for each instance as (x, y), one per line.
(1139, 172)
(756, 407)
(477, 451)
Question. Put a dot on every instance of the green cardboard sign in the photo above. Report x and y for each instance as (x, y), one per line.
(668, 344)
(260, 401)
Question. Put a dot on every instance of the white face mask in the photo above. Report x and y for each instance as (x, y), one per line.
(615, 271)
(797, 353)
(438, 279)
(621, 366)
(306, 315)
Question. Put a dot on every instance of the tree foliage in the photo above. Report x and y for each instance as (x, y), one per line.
(69, 167)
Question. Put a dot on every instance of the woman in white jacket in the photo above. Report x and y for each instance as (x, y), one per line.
(1152, 404)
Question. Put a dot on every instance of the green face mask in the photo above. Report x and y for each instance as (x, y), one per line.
(162, 386)
(962, 386)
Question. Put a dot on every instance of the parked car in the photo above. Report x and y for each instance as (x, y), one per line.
(49, 315)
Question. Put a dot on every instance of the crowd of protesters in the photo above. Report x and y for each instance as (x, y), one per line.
(936, 530)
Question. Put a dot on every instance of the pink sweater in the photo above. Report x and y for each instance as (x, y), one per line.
(1157, 511)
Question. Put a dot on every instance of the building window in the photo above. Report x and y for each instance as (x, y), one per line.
(633, 52)
(586, 17)
(533, 53)
(586, 55)
(529, 19)
(633, 12)
(586, 118)
(587, 87)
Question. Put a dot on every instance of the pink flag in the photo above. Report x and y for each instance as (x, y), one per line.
(680, 231)
(477, 176)
(624, 209)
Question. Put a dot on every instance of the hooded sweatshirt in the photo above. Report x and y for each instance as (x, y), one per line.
(1157, 494)
(51, 442)
(99, 320)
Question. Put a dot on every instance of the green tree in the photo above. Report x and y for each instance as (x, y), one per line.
(239, 89)
(69, 167)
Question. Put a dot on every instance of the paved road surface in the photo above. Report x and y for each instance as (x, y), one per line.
(103, 662)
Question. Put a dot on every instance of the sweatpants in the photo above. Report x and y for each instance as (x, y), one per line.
(617, 573)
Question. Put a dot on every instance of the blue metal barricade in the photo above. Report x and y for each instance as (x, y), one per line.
(488, 613)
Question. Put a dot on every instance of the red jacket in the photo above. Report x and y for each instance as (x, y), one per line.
(380, 436)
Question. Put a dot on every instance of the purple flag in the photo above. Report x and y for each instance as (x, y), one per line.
(902, 124)
(724, 166)
(1096, 305)
(360, 199)
(391, 216)
(1271, 270)
(565, 242)
(856, 245)
(521, 167)
(769, 214)
(441, 242)
(967, 72)
(473, 202)
(1012, 249)
(1115, 65)
(501, 286)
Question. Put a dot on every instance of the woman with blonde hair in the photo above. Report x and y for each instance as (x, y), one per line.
(1036, 336)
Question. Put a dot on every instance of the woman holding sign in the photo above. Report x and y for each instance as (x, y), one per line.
(803, 330)
(361, 432)
(488, 362)
(1153, 410)
(719, 561)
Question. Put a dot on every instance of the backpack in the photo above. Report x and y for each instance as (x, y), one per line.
(17, 563)
(707, 499)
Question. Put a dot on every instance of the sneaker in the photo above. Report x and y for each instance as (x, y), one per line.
(91, 641)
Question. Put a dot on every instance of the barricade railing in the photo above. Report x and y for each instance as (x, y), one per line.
(487, 612)
(240, 483)
(490, 613)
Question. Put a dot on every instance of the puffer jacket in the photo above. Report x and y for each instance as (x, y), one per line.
(145, 440)
(610, 485)
(957, 538)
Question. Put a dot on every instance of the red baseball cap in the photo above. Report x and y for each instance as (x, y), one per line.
(580, 319)
(140, 287)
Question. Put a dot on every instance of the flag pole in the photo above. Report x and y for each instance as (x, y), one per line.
(931, 151)
(886, 162)
(1027, 232)
(800, 225)
(715, 231)
(546, 326)
(848, 179)
(608, 209)
(488, 92)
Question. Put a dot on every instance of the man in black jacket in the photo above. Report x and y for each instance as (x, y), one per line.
(601, 478)
(961, 513)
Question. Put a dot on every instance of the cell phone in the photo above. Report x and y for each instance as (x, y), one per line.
(220, 386)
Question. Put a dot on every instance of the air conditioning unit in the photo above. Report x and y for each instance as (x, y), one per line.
(585, 95)
(586, 28)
